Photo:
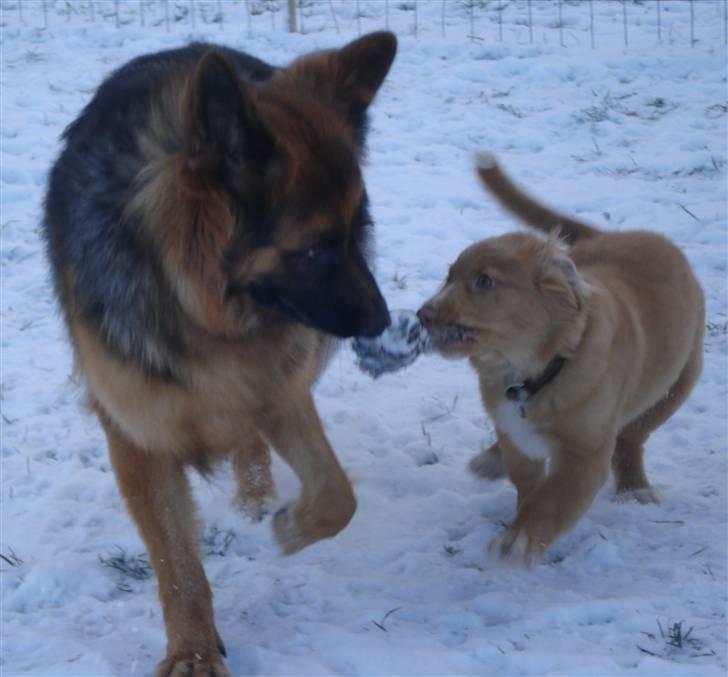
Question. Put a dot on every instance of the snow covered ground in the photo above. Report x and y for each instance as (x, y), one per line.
(625, 137)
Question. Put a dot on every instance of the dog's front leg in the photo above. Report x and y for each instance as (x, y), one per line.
(158, 497)
(552, 507)
(327, 502)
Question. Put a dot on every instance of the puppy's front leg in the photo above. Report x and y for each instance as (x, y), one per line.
(158, 497)
(327, 502)
(553, 506)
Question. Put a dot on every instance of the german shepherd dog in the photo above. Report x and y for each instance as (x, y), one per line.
(208, 230)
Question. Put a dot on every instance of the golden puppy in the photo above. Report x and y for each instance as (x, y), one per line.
(581, 354)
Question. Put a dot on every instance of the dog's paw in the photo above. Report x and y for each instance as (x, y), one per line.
(254, 508)
(297, 525)
(643, 495)
(286, 530)
(485, 160)
(517, 549)
(487, 465)
(192, 664)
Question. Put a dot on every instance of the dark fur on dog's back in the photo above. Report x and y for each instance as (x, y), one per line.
(208, 230)
(119, 284)
(118, 281)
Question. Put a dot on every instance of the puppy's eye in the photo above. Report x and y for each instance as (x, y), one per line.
(484, 282)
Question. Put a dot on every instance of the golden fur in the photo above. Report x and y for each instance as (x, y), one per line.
(627, 314)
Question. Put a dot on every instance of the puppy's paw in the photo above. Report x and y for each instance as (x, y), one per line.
(488, 465)
(643, 495)
(193, 664)
(516, 548)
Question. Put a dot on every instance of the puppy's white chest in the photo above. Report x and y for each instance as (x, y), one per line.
(508, 420)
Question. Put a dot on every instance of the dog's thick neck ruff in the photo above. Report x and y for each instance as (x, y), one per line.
(521, 392)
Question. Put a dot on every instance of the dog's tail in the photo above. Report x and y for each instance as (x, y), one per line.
(525, 207)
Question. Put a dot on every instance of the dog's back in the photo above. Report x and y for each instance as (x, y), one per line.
(649, 279)
(117, 282)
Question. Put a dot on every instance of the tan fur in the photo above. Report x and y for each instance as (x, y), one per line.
(244, 378)
(626, 312)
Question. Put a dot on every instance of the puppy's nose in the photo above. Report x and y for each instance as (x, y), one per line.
(426, 315)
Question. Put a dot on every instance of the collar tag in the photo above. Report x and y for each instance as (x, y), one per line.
(518, 393)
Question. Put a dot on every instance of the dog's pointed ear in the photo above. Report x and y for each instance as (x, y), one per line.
(559, 278)
(223, 132)
(351, 76)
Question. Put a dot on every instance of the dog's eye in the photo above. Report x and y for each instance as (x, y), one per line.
(484, 282)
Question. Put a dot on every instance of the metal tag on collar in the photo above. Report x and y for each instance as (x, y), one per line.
(519, 394)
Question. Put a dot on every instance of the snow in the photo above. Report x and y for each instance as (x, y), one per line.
(626, 137)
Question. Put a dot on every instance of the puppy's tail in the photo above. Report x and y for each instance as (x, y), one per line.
(524, 206)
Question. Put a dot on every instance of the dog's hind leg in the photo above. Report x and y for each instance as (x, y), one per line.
(327, 502)
(627, 461)
(158, 497)
(255, 483)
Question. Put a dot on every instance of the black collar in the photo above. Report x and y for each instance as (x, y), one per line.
(520, 392)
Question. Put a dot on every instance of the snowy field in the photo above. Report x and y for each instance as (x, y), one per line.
(626, 137)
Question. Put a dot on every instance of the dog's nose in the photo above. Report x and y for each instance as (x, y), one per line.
(377, 322)
(426, 315)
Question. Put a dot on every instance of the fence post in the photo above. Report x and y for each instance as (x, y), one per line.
(692, 24)
(530, 22)
(292, 16)
(219, 11)
(591, 23)
(561, 24)
(500, 9)
(659, 22)
(333, 15)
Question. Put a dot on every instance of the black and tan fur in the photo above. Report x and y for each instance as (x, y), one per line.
(208, 230)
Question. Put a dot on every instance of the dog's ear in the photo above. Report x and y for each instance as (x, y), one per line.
(559, 278)
(350, 77)
(223, 132)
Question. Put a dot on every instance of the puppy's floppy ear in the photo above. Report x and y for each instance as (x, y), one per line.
(350, 77)
(559, 278)
(223, 132)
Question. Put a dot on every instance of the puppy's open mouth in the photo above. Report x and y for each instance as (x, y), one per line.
(453, 336)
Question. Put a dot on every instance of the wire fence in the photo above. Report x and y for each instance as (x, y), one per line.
(555, 22)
